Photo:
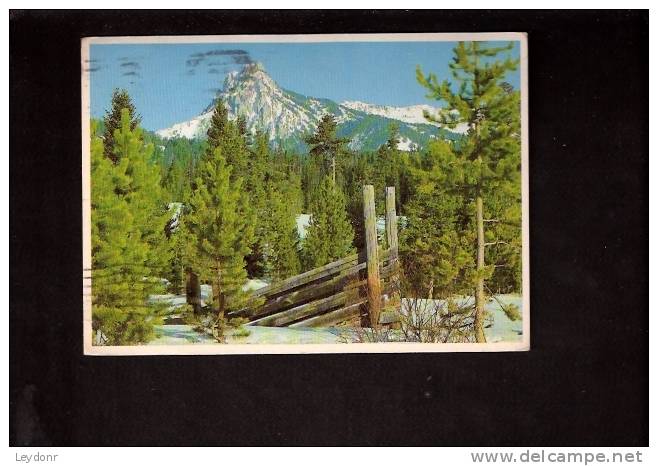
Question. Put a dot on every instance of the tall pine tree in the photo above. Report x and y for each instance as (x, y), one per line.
(280, 245)
(437, 243)
(225, 134)
(330, 234)
(324, 144)
(128, 221)
(490, 152)
(112, 121)
(391, 170)
(221, 231)
(258, 165)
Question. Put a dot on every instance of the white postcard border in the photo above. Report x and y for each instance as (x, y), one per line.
(135, 350)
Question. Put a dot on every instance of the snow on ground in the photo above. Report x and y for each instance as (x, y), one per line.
(502, 328)
(303, 221)
(407, 144)
(499, 328)
(185, 335)
(289, 336)
(175, 301)
(254, 284)
(180, 335)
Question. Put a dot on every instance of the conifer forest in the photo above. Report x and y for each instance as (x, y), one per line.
(233, 236)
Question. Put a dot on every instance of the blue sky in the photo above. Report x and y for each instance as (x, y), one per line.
(170, 83)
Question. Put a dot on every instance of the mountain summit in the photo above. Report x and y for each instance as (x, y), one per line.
(287, 117)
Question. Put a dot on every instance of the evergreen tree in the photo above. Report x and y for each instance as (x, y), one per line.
(284, 173)
(241, 123)
(330, 234)
(127, 229)
(175, 181)
(390, 170)
(221, 230)
(312, 176)
(503, 239)
(218, 128)
(287, 179)
(281, 240)
(147, 201)
(359, 170)
(225, 134)
(324, 143)
(258, 166)
(437, 243)
(393, 136)
(112, 121)
(490, 152)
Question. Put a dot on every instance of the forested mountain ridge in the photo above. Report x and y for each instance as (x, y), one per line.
(287, 117)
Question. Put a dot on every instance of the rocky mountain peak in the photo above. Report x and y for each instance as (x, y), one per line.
(287, 117)
(251, 75)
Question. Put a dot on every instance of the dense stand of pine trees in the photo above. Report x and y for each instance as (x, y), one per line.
(225, 209)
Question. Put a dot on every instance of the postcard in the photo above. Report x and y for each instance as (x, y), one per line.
(344, 193)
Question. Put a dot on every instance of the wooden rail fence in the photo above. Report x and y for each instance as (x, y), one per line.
(348, 290)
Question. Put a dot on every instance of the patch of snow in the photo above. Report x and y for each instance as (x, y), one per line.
(501, 328)
(407, 144)
(206, 292)
(287, 335)
(357, 141)
(186, 335)
(254, 284)
(180, 335)
(174, 301)
(303, 221)
(174, 221)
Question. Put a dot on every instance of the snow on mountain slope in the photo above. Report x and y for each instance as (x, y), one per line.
(414, 114)
(287, 117)
(191, 129)
(253, 94)
(411, 114)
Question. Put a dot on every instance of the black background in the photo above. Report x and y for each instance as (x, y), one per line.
(585, 381)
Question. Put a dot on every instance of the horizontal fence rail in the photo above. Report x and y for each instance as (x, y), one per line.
(344, 290)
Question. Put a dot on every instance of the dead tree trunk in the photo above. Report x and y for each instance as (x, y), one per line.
(478, 322)
(333, 169)
(392, 239)
(372, 256)
(391, 223)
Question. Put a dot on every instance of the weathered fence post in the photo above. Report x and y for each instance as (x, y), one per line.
(391, 223)
(372, 255)
(393, 291)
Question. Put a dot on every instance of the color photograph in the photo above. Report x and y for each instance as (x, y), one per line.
(305, 194)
